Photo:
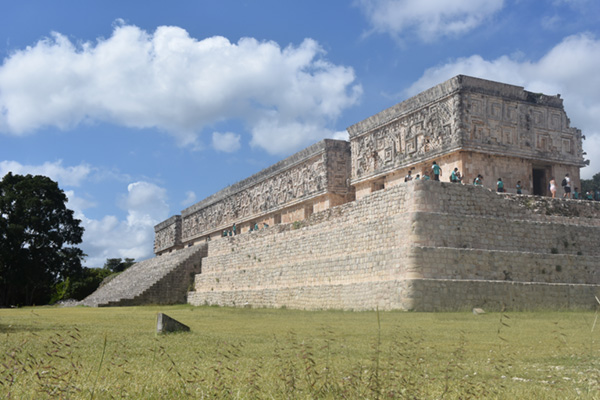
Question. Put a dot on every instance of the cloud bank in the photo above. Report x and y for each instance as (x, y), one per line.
(285, 97)
(227, 142)
(132, 237)
(428, 20)
(70, 176)
(569, 69)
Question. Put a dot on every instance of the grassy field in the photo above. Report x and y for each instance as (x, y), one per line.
(103, 353)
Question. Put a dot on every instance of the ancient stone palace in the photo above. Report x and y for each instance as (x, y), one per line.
(478, 126)
(337, 225)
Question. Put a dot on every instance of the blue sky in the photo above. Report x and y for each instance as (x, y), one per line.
(141, 108)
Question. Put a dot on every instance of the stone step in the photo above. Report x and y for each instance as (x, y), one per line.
(131, 285)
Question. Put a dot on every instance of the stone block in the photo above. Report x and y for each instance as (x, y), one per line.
(166, 324)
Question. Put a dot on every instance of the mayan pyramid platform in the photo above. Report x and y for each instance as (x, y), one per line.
(159, 280)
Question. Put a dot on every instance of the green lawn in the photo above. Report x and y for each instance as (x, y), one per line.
(266, 353)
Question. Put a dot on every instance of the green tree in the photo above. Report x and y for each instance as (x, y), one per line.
(36, 234)
(117, 264)
(590, 184)
(80, 285)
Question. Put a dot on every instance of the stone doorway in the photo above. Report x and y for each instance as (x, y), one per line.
(540, 181)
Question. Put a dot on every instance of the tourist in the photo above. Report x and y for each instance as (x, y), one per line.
(589, 195)
(437, 171)
(418, 177)
(455, 176)
(552, 187)
(234, 229)
(576, 194)
(408, 177)
(265, 225)
(224, 232)
(478, 181)
(256, 226)
(519, 191)
(426, 176)
(500, 185)
(566, 184)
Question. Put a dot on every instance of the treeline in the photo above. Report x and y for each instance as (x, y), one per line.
(80, 285)
(590, 185)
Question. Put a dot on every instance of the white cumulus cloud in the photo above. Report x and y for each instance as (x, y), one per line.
(569, 69)
(68, 176)
(227, 142)
(168, 80)
(109, 237)
(428, 19)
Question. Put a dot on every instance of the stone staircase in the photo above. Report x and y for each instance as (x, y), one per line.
(160, 280)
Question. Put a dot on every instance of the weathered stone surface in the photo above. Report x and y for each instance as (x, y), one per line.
(167, 234)
(159, 280)
(475, 125)
(166, 324)
(310, 179)
(347, 232)
(423, 245)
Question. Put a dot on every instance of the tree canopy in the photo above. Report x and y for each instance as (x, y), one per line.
(37, 234)
(590, 184)
(118, 265)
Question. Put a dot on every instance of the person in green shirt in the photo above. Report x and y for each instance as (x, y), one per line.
(455, 176)
(519, 188)
(437, 171)
(576, 194)
(500, 185)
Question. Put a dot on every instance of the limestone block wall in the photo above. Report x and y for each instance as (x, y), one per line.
(418, 246)
(288, 188)
(450, 295)
(333, 260)
(167, 235)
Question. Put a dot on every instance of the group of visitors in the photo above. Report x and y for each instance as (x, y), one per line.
(456, 177)
(566, 185)
(234, 231)
(574, 194)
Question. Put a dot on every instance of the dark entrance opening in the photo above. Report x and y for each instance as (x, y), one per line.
(539, 182)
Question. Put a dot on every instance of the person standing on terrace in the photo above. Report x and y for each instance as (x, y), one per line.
(437, 171)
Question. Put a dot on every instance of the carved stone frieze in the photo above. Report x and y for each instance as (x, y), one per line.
(167, 234)
(412, 136)
(531, 130)
(302, 181)
(468, 114)
(324, 168)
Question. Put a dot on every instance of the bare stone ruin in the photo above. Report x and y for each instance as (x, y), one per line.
(339, 228)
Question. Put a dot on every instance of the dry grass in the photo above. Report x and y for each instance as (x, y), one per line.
(84, 353)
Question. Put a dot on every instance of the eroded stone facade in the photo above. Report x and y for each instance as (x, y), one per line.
(477, 126)
(337, 240)
(423, 246)
(309, 181)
